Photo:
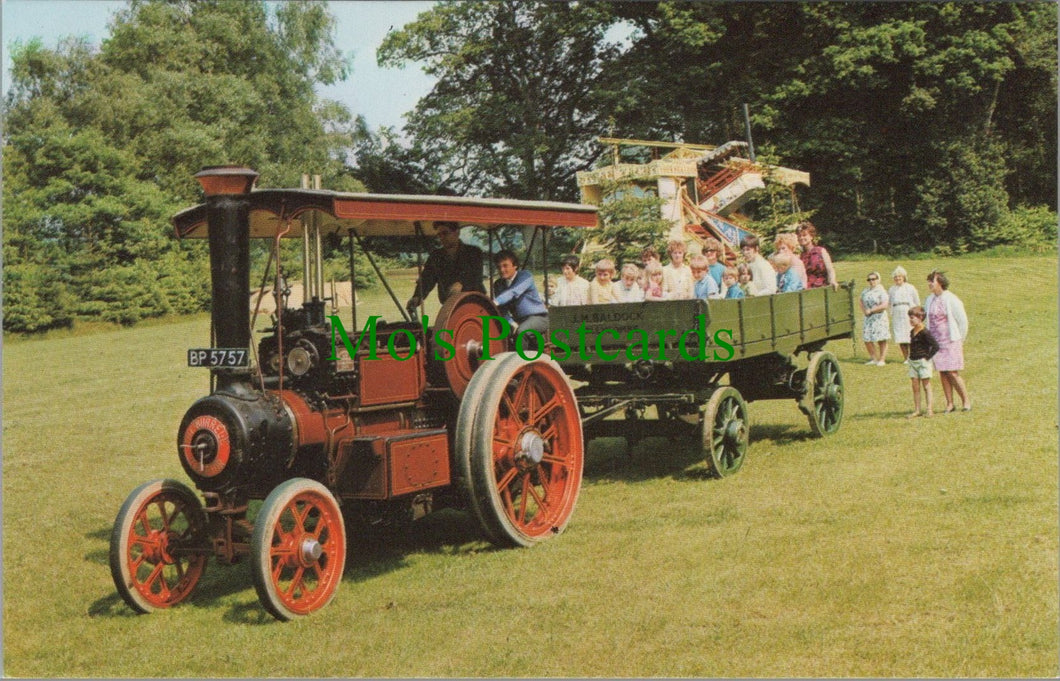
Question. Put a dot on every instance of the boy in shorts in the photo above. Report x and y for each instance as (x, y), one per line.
(922, 347)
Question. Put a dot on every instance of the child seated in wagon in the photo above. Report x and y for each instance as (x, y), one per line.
(703, 285)
(733, 289)
(787, 279)
(571, 289)
(628, 289)
(601, 288)
(653, 275)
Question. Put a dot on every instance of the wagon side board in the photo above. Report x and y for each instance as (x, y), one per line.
(785, 323)
(780, 324)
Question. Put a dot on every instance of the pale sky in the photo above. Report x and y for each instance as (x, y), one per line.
(382, 96)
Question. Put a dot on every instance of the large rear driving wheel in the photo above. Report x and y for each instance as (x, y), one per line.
(463, 437)
(526, 453)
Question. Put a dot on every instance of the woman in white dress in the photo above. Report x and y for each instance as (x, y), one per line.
(903, 296)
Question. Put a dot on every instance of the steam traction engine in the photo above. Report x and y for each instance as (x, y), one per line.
(325, 437)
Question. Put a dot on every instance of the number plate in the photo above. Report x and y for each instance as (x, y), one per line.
(218, 357)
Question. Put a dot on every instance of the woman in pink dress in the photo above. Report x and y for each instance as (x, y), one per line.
(948, 323)
(815, 259)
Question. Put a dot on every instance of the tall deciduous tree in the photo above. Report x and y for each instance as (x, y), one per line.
(921, 123)
(909, 116)
(513, 112)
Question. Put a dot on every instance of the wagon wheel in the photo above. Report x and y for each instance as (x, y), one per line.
(298, 549)
(726, 430)
(462, 314)
(823, 400)
(526, 453)
(157, 547)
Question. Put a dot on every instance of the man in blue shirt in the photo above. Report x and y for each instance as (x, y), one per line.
(516, 295)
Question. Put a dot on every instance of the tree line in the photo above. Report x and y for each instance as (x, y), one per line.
(923, 125)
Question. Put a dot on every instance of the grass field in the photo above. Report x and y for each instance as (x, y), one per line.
(894, 548)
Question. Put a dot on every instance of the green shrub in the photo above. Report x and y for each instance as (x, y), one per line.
(124, 294)
(35, 299)
(961, 195)
(338, 268)
(632, 221)
(184, 281)
(1027, 226)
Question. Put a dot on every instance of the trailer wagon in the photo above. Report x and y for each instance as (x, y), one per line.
(699, 363)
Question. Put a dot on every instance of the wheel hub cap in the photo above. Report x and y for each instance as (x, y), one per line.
(156, 548)
(473, 349)
(734, 432)
(310, 551)
(531, 449)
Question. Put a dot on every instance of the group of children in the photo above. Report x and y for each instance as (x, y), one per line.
(704, 276)
(707, 278)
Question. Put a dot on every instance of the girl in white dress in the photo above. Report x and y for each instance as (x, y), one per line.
(571, 289)
(628, 288)
(903, 296)
(677, 276)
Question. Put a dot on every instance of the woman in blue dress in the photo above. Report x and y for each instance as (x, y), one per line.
(876, 330)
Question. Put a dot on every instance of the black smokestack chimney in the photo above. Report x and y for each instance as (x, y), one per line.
(227, 189)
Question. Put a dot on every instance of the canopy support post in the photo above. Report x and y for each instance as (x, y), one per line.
(353, 282)
(404, 313)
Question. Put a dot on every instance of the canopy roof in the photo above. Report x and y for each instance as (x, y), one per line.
(384, 214)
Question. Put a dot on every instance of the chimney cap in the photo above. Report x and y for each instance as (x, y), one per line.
(226, 179)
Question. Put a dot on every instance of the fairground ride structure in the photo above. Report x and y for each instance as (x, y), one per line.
(702, 186)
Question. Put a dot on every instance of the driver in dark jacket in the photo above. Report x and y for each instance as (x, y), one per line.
(455, 267)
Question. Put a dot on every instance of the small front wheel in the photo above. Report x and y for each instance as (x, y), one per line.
(726, 430)
(158, 549)
(298, 549)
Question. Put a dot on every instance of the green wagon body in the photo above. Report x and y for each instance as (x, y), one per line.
(786, 323)
(698, 362)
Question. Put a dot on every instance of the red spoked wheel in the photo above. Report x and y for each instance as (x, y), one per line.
(463, 315)
(527, 453)
(158, 547)
(298, 549)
